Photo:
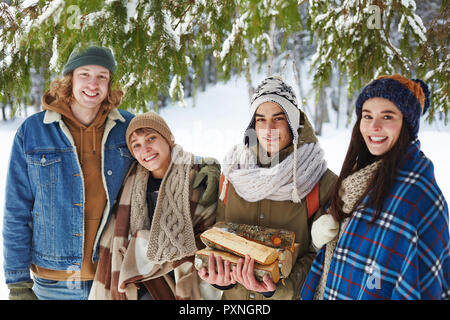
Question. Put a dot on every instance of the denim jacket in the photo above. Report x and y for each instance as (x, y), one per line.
(43, 221)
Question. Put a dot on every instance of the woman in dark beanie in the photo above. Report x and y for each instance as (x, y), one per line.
(386, 235)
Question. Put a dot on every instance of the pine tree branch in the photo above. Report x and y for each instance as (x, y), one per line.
(8, 17)
(184, 13)
(405, 61)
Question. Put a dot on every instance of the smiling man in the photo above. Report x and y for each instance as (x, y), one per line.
(271, 127)
(277, 178)
(66, 168)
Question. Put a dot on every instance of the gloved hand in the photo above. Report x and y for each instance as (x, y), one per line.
(21, 291)
(208, 176)
(323, 230)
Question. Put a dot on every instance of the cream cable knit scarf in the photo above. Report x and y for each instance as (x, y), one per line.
(171, 231)
(254, 183)
(351, 190)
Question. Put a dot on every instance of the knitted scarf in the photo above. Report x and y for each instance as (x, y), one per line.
(254, 183)
(351, 190)
(171, 233)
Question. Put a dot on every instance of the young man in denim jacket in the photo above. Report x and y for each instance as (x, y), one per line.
(66, 168)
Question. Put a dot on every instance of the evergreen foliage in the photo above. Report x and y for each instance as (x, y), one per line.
(365, 39)
(159, 43)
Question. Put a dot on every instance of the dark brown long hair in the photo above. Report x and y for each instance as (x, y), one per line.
(358, 157)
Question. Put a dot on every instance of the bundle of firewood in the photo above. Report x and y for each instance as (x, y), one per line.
(272, 249)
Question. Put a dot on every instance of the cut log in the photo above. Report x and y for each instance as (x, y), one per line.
(275, 238)
(218, 239)
(202, 260)
(286, 261)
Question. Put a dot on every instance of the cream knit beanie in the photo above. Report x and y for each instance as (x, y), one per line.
(153, 121)
(274, 89)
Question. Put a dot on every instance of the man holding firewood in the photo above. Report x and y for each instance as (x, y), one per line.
(276, 179)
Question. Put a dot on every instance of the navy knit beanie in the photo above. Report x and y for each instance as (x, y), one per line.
(95, 55)
(400, 95)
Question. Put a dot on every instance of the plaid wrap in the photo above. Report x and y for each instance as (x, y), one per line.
(404, 254)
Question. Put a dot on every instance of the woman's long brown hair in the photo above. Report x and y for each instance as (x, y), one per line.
(358, 157)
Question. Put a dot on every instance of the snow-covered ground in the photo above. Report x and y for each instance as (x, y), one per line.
(216, 120)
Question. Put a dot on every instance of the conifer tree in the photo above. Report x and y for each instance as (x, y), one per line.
(359, 38)
(156, 43)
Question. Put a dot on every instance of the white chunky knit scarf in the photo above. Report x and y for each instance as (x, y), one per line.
(254, 183)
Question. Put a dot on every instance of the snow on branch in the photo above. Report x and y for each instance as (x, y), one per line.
(92, 17)
(7, 15)
(174, 36)
(130, 80)
(238, 26)
(407, 63)
(410, 4)
(49, 10)
(176, 87)
(28, 3)
(131, 13)
(417, 26)
(54, 58)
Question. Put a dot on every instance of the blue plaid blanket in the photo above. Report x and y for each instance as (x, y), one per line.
(404, 254)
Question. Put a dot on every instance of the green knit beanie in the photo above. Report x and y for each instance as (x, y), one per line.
(99, 56)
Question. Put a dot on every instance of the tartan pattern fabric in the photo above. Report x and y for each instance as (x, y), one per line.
(404, 254)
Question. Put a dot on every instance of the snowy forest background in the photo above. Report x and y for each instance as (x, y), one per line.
(198, 62)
